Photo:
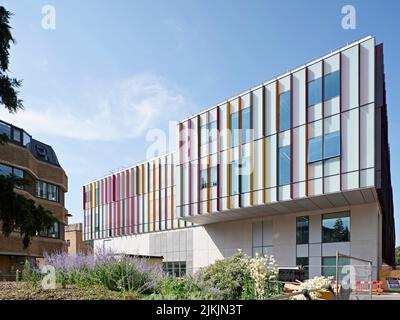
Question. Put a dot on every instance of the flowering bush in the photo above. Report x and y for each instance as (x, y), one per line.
(243, 277)
(116, 274)
(263, 272)
(311, 284)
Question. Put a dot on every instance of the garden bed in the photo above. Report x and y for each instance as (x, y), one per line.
(24, 291)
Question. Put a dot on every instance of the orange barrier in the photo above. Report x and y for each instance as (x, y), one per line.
(377, 286)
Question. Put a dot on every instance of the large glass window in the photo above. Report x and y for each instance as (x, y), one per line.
(331, 85)
(284, 111)
(234, 129)
(303, 263)
(5, 129)
(302, 230)
(332, 145)
(5, 170)
(329, 265)
(175, 269)
(26, 139)
(47, 191)
(284, 165)
(17, 135)
(204, 134)
(245, 175)
(214, 176)
(208, 132)
(314, 92)
(234, 178)
(315, 149)
(52, 192)
(203, 179)
(336, 227)
(52, 232)
(246, 125)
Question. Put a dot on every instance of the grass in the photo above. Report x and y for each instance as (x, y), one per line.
(24, 291)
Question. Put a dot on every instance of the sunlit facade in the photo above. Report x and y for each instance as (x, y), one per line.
(297, 167)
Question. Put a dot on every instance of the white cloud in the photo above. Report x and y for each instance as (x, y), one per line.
(126, 109)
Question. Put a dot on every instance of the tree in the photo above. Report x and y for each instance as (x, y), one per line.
(398, 256)
(339, 232)
(17, 213)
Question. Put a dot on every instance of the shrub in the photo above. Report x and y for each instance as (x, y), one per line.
(124, 274)
(31, 275)
(188, 288)
(242, 277)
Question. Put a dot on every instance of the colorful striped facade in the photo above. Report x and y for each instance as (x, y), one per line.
(308, 147)
(136, 200)
(252, 165)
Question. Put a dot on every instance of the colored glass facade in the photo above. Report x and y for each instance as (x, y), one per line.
(312, 133)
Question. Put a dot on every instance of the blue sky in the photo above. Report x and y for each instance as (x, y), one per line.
(85, 82)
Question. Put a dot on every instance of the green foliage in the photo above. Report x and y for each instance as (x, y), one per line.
(188, 288)
(20, 213)
(8, 86)
(31, 276)
(228, 276)
(398, 256)
(242, 277)
(120, 276)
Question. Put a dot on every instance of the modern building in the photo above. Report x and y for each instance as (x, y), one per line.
(74, 240)
(297, 167)
(37, 162)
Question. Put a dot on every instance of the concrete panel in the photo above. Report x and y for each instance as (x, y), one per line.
(315, 249)
(315, 228)
(302, 250)
(329, 249)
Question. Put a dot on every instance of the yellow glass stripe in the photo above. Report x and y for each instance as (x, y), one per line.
(228, 157)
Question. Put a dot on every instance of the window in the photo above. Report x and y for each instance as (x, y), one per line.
(315, 149)
(17, 135)
(18, 173)
(302, 230)
(245, 175)
(332, 145)
(284, 111)
(41, 189)
(203, 179)
(336, 227)
(303, 263)
(175, 269)
(246, 125)
(314, 92)
(331, 85)
(47, 191)
(329, 265)
(234, 129)
(208, 132)
(262, 238)
(284, 165)
(52, 232)
(212, 127)
(214, 176)
(234, 178)
(8, 171)
(5, 170)
(5, 129)
(26, 139)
